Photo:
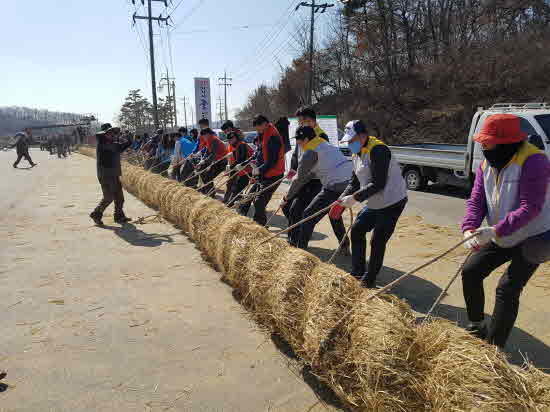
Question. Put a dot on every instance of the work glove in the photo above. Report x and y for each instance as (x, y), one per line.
(348, 201)
(485, 235)
(471, 244)
(291, 173)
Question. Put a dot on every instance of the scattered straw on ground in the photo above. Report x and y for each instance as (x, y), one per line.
(370, 352)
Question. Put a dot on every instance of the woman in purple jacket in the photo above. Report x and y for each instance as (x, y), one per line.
(511, 193)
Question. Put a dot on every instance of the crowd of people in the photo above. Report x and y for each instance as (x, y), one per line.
(60, 144)
(510, 192)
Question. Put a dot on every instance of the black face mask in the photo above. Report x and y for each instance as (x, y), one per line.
(501, 155)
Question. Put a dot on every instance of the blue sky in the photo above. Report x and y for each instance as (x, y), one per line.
(84, 56)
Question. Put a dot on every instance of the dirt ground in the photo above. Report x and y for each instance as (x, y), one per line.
(122, 318)
(418, 240)
(131, 318)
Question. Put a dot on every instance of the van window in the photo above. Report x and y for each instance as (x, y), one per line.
(526, 126)
(544, 121)
(536, 140)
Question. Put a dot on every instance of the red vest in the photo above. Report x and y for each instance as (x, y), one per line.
(279, 168)
(222, 149)
(232, 159)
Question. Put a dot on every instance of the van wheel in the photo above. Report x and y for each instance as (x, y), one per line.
(414, 180)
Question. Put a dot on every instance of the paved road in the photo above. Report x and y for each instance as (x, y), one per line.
(121, 319)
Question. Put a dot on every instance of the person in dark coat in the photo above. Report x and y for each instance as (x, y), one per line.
(22, 147)
(109, 149)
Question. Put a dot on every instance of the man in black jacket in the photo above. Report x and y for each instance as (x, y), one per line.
(22, 147)
(109, 149)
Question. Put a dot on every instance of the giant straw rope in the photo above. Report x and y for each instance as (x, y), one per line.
(379, 358)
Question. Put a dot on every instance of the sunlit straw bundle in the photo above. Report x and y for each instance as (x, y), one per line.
(372, 353)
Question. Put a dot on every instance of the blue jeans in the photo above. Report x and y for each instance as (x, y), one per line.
(382, 222)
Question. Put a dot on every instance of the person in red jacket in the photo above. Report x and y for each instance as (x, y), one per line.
(239, 163)
(270, 169)
(216, 153)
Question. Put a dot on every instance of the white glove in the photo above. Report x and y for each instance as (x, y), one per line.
(485, 235)
(471, 244)
(348, 201)
(255, 171)
(240, 167)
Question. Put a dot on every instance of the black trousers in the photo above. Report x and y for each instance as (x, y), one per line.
(294, 212)
(112, 191)
(323, 199)
(21, 155)
(186, 172)
(511, 284)
(382, 223)
(262, 200)
(228, 188)
(237, 186)
(209, 176)
(61, 151)
(176, 173)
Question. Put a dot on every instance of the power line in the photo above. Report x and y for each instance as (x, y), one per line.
(191, 12)
(266, 49)
(175, 8)
(234, 28)
(170, 51)
(150, 20)
(265, 39)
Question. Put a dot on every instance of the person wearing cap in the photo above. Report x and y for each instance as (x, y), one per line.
(294, 209)
(511, 193)
(108, 152)
(322, 161)
(22, 147)
(271, 156)
(215, 159)
(241, 152)
(376, 180)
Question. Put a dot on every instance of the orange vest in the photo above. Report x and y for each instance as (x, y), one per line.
(232, 159)
(222, 149)
(279, 168)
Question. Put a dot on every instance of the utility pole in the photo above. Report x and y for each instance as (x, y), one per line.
(171, 97)
(315, 8)
(220, 109)
(225, 84)
(174, 101)
(184, 100)
(150, 19)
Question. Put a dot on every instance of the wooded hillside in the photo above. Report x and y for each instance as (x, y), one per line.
(416, 70)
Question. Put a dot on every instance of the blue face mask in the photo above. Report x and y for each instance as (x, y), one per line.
(355, 147)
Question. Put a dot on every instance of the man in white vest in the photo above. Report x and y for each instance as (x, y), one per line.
(323, 161)
(376, 180)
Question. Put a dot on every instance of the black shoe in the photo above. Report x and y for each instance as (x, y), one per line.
(479, 331)
(344, 251)
(15, 166)
(356, 276)
(97, 219)
(122, 219)
(3, 374)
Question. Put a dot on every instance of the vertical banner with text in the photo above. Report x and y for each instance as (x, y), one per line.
(202, 98)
